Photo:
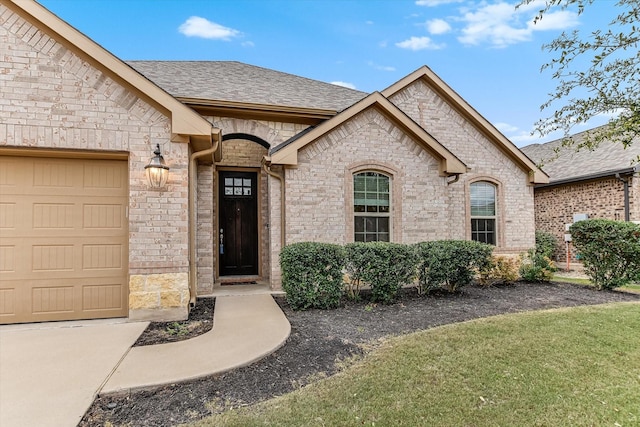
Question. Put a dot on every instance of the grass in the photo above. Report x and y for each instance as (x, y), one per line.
(633, 287)
(578, 367)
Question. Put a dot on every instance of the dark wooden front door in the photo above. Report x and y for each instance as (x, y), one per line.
(238, 233)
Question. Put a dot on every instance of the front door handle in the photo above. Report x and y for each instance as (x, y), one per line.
(222, 241)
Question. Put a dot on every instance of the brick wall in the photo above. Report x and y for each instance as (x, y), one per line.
(319, 202)
(555, 206)
(53, 98)
(486, 160)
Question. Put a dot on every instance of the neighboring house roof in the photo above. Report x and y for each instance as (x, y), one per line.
(287, 153)
(569, 164)
(536, 175)
(185, 123)
(242, 83)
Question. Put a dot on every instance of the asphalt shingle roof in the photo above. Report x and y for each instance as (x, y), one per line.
(568, 163)
(238, 82)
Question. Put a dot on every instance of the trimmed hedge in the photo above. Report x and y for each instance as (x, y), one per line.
(386, 267)
(546, 243)
(451, 263)
(312, 274)
(610, 251)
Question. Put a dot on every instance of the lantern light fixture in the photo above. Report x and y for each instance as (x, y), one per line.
(157, 170)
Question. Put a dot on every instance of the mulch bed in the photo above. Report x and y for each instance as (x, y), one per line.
(321, 338)
(200, 321)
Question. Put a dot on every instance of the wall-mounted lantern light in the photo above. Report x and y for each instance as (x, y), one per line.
(157, 170)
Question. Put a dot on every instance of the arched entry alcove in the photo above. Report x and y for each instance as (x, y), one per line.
(241, 187)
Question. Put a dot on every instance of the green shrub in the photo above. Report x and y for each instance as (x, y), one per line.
(499, 269)
(546, 243)
(386, 267)
(536, 267)
(312, 274)
(609, 250)
(451, 263)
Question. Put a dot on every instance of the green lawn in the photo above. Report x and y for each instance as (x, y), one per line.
(633, 288)
(566, 367)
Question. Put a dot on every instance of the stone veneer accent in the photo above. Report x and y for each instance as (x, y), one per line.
(53, 98)
(159, 296)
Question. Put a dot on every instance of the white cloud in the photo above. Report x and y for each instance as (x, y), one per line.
(438, 26)
(434, 3)
(555, 21)
(344, 84)
(248, 44)
(502, 24)
(381, 67)
(419, 43)
(196, 26)
(505, 127)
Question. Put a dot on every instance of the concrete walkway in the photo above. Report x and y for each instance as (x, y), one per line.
(245, 329)
(50, 373)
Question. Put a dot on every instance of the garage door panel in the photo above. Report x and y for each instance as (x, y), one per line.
(64, 235)
(55, 257)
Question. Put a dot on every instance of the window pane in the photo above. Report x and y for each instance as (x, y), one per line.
(482, 230)
(371, 195)
(370, 224)
(483, 199)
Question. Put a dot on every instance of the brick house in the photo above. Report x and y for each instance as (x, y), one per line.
(257, 159)
(601, 183)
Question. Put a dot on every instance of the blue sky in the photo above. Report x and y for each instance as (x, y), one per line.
(487, 51)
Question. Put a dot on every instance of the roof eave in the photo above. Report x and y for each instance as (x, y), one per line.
(536, 175)
(287, 154)
(185, 122)
(590, 177)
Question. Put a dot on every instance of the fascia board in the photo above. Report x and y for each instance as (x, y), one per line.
(450, 163)
(536, 175)
(184, 121)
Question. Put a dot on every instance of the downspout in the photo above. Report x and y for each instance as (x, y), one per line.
(455, 179)
(267, 169)
(193, 188)
(626, 196)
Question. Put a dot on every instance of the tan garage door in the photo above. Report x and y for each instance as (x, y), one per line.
(63, 239)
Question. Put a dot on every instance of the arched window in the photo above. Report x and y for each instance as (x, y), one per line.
(483, 212)
(371, 207)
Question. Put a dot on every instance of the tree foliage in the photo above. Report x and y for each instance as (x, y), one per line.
(597, 73)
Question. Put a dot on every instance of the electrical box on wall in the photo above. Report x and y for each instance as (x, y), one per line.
(580, 217)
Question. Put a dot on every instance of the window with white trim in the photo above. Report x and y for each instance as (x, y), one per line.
(371, 207)
(483, 212)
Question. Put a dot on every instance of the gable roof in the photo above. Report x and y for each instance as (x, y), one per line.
(235, 82)
(287, 153)
(566, 164)
(424, 73)
(186, 124)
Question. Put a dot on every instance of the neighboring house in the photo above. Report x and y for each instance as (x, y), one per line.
(601, 183)
(258, 159)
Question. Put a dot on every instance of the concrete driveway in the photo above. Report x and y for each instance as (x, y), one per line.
(51, 372)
